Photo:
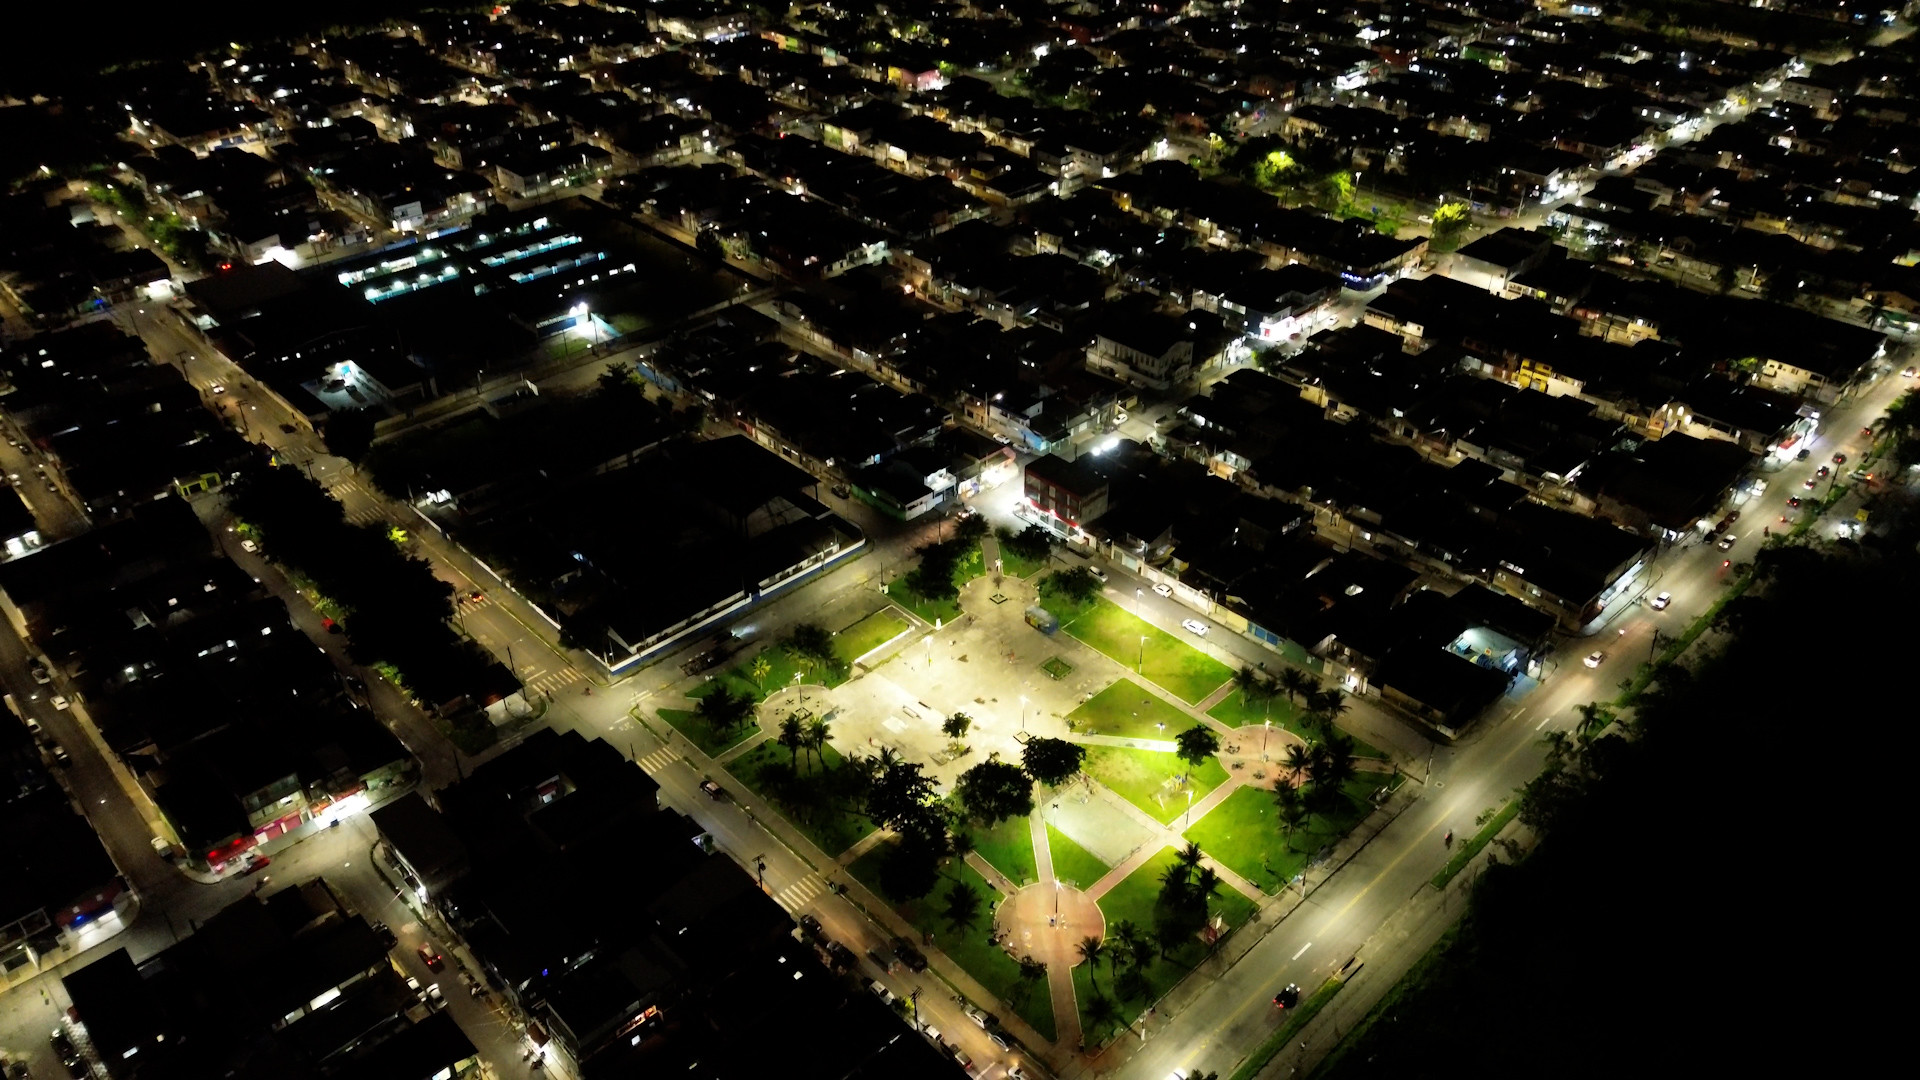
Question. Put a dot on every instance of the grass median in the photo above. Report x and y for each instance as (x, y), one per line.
(1473, 846)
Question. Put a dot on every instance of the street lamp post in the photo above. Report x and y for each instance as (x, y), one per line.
(798, 685)
(1142, 660)
(1189, 818)
(1023, 712)
(1266, 728)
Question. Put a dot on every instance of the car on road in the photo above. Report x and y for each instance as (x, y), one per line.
(1015, 1072)
(1726, 542)
(880, 991)
(981, 1019)
(1861, 475)
(999, 1039)
(1824, 472)
(1288, 997)
(216, 388)
(1660, 602)
(1194, 626)
(1909, 371)
(810, 927)
(435, 999)
(1803, 455)
(33, 727)
(1793, 503)
(432, 958)
(249, 546)
(1808, 483)
(40, 673)
(59, 755)
(714, 791)
(63, 1049)
(915, 960)
(841, 957)
(413, 986)
(1595, 658)
(960, 1057)
(881, 958)
(1097, 573)
(1839, 459)
(844, 491)
(60, 702)
(1163, 589)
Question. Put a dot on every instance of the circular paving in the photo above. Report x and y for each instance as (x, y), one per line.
(1048, 924)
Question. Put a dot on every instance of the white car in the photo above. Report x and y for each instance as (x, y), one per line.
(981, 1020)
(60, 702)
(249, 546)
(1660, 602)
(216, 388)
(1163, 589)
(1595, 658)
(1194, 626)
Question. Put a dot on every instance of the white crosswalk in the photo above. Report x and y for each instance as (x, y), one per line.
(658, 760)
(795, 896)
(553, 682)
(366, 515)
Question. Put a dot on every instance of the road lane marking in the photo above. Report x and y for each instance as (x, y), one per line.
(1544, 721)
(1303, 949)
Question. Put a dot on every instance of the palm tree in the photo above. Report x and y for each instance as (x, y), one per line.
(1133, 942)
(1297, 684)
(1091, 949)
(818, 732)
(963, 906)
(1206, 882)
(1246, 680)
(793, 736)
(1291, 809)
(1103, 1012)
(1190, 856)
(1336, 762)
(762, 667)
(1298, 762)
(1593, 716)
(1031, 972)
(1328, 703)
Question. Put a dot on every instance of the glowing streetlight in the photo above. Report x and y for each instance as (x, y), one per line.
(1023, 712)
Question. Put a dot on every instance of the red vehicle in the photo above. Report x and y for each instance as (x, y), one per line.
(433, 960)
(256, 864)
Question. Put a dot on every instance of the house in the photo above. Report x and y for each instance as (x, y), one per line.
(1143, 347)
(1066, 491)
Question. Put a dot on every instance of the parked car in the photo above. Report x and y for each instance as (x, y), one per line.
(1803, 455)
(1595, 658)
(435, 999)
(844, 491)
(60, 702)
(40, 673)
(1194, 626)
(915, 960)
(432, 958)
(1163, 589)
(810, 927)
(999, 1039)
(1660, 602)
(981, 1019)
(880, 991)
(881, 958)
(1097, 572)
(841, 957)
(413, 986)
(63, 1049)
(249, 546)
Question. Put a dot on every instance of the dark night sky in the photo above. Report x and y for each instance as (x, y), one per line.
(51, 50)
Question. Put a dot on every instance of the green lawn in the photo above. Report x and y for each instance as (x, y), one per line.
(1285, 715)
(1243, 833)
(932, 611)
(1235, 713)
(867, 635)
(1134, 900)
(1072, 863)
(688, 723)
(1151, 780)
(1165, 660)
(781, 668)
(1129, 711)
(832, 829)
(1013, 565)
(967, 946)
(1009, 847)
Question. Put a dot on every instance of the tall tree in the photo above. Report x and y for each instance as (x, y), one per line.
(1298, 762)
(963, 904)
(1030, 975)
(1103, 1013)
(1196, 745)
(1290, 810)
(723, 710)
(955, 726)
(993, 791)
(1091, 949)
(793, 736)
(1297, 684)
(813, 642)
(818, 732)
(1052, 761)
(1245, 680)
(1076, 586)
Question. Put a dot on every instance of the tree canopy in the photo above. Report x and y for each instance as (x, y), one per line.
(1052, 761)
(993, 791)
